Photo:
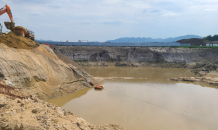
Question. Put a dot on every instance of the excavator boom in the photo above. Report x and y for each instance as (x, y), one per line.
(7, 9)
(9, 25)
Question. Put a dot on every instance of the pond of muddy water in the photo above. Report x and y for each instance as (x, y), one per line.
(145, 104)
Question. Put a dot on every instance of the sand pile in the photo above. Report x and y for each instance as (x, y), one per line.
(20, 27)
(19, 42)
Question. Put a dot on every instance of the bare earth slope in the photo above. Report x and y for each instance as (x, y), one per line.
(38, 70)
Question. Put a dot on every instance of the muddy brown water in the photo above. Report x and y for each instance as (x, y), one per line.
(145, 104)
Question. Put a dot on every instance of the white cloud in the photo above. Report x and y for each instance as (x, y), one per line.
(210, 9)
(20, 17)
(36, 13)
(170, 14)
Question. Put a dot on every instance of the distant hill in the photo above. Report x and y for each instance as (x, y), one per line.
(140, 40)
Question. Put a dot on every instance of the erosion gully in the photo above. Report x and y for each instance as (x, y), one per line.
(145, 104)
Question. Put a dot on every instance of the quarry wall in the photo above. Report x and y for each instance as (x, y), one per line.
(140, 54)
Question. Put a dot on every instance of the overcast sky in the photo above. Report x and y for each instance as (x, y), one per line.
(101, 20)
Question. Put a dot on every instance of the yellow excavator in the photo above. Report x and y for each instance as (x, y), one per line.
(11, 25)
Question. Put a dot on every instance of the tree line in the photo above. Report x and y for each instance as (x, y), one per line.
(211, 38)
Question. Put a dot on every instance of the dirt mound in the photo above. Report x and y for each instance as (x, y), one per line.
(194, 41)
(20, 27)
(19, 42)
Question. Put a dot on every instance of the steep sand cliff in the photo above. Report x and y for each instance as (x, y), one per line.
(38, 70)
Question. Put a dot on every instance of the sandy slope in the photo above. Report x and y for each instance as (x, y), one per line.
(38, 70)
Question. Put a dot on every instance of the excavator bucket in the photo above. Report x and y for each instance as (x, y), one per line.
(10, 25)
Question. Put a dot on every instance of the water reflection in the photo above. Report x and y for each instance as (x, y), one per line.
(61, 101)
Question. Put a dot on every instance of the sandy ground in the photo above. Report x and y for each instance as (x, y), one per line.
(36, 114)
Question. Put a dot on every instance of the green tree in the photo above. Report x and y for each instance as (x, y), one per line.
(215, 38)
(211, 38)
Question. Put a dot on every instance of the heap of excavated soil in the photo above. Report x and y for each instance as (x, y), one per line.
(19, 42)
(36, 114)
(20, 27)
